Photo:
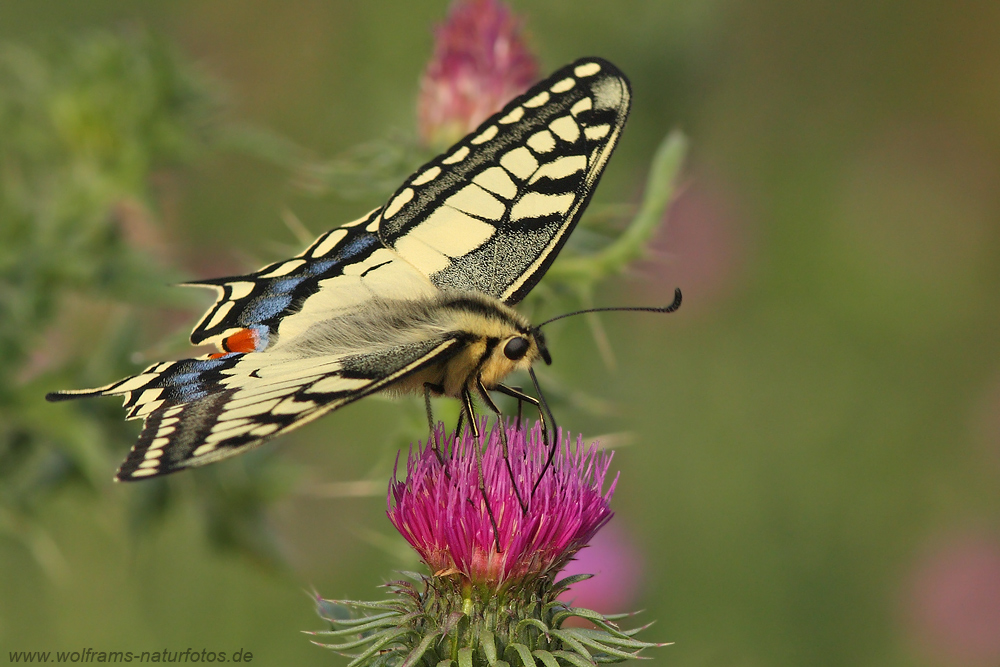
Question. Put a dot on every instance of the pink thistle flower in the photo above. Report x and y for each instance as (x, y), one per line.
(480, 61)
(492, 596)
(440, 511)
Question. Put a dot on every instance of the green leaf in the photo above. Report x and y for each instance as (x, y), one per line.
(567, 638)
(394, 622)
(602, 648)
(487, 642)
(522, 652)
(574, 659)
(547, 658)
(524, 623)
(616, 639)
(579, 612)
(566, 582)
(379, 638)
(361, 620)
(418, 651)
(377, 646)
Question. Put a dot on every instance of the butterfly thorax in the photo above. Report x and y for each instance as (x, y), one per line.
(487, 327)
(480, 325)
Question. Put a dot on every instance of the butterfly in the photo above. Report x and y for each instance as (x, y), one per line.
(416, 296)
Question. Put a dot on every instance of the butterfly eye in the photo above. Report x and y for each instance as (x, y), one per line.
(516, 348)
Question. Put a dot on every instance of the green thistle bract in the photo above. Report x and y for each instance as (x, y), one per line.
(482, 605)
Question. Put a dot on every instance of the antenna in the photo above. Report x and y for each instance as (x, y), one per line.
(648, 309)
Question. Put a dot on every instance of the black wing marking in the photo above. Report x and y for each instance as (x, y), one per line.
(259, 301)
(491, 214)
(197, 411)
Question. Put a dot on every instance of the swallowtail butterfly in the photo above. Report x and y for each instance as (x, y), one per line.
(415, 296)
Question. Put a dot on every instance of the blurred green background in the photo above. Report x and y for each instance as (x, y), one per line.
(812, 474)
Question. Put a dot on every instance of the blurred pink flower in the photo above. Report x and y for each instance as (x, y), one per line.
(480, 62)
(617, 568)
(954, 601)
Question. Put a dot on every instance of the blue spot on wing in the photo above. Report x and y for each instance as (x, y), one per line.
(282, 285)
(263, 337)
(272, 298)
(182, 378)
(201, 365)
(358, 246)
(190, 393)
(193, 379)
(319, 266)
(265, 308)
(279, 295)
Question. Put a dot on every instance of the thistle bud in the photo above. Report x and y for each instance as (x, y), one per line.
(480, 62)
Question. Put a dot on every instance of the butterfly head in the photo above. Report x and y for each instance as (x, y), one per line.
(517, 350)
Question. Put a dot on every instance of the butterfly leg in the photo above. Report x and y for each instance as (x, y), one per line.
(503, 440)
(520, 405)
(515, 392)
(460, 425)
(438, 389)
(544, 410)
(469, 410)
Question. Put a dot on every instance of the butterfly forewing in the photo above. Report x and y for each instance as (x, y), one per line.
(491, 214)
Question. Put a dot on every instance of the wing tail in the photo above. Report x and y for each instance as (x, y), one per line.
(70, 394)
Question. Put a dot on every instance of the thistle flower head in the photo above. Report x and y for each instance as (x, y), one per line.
(492, 599)
(441, 512)
(480, 61)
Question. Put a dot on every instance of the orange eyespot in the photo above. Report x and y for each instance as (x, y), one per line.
(244, 340)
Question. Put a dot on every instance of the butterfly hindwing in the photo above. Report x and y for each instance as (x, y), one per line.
(197, 411)
(491, 214)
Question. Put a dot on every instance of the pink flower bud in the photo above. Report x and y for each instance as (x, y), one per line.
(480, 62)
